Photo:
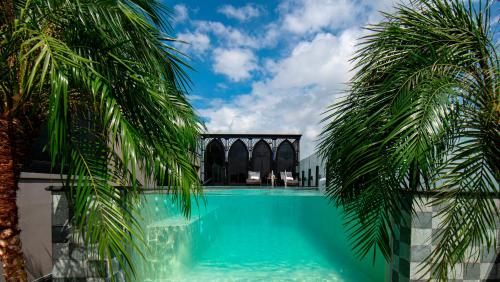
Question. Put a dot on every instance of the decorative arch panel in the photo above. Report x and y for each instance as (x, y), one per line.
(262, 157)
(285, 157)
(214, 162)
(237, 163)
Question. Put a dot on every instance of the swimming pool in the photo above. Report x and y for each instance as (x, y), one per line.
(250, 235)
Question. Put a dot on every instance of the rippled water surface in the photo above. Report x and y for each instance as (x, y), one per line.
(250, 235)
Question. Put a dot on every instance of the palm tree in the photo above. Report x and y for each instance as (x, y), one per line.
(103, 76)
(421, 114)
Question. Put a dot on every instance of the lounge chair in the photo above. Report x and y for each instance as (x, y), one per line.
(254, 178)
(287, 178)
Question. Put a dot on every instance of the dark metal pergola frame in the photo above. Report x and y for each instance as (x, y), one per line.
(249, 139)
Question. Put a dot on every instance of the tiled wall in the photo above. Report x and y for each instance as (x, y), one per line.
(70, 260)
(417, 237)
(400, 264)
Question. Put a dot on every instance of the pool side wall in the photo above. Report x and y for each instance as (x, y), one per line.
(71, 261)
(417, 237)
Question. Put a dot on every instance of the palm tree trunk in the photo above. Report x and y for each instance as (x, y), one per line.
(10, 241)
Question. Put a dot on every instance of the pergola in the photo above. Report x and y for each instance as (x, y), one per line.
(227, 158)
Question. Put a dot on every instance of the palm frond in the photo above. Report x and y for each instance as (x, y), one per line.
(112, 91)
(421, 114)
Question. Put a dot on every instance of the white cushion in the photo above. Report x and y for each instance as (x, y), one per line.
(254, 175)
(289, 178)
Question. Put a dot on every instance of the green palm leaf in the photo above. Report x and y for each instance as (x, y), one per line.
(421, 114)
(112, 90)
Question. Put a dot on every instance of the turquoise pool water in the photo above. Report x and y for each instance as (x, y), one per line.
(250, 235)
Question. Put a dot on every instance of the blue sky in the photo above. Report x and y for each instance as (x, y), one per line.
(270, 66)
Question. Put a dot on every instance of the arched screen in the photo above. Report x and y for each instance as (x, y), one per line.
(261, 158)
(238, 163)
(214, 163)
(285, 158)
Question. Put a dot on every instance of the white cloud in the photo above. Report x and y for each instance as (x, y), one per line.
(244, 13)
(322, 61)
(195, 98)
(306, 16)
(293, 97)
(319, 38)
(227, 35)
(196, 43)
(221, 85)
(180, 13)
(236, 63)
(313, 15)
(231, 37)
(495, 20)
